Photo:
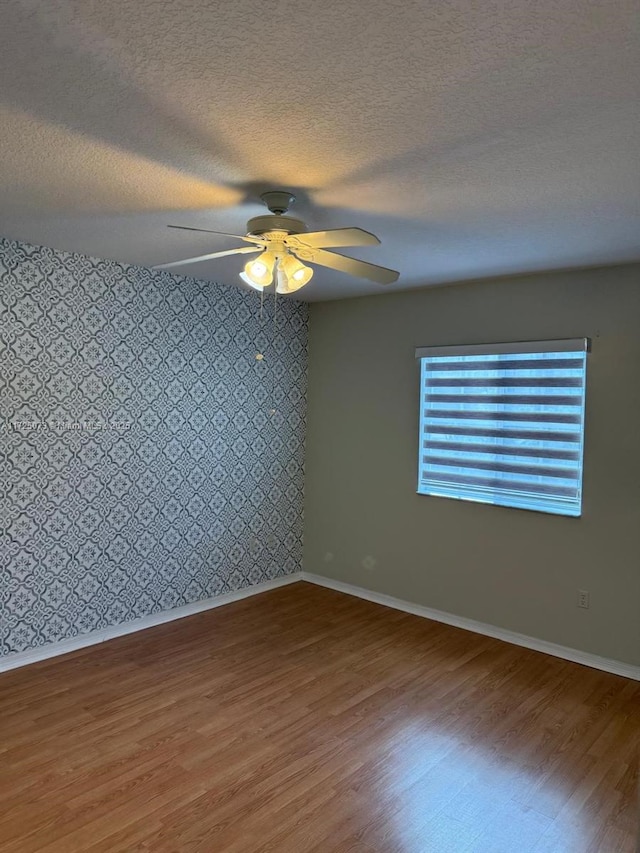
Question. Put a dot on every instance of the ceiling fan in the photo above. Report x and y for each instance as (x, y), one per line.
(284, 245)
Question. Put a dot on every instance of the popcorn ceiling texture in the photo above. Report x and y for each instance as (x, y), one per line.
(474, 138)
(142, 464)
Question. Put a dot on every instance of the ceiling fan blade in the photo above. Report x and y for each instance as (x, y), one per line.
(334, 238)
(242, 251)
(221, 233)
(361, 269)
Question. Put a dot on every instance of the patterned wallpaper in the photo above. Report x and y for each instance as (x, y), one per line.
(147, 458)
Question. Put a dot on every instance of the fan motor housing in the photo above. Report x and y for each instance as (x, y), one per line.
(273, 222)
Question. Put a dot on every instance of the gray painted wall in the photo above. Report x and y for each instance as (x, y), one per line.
(147, 459)
(364, 523)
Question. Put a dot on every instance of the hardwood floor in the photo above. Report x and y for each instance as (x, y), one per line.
(306, 721)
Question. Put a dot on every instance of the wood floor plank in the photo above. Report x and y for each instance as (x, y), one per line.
(306, 721)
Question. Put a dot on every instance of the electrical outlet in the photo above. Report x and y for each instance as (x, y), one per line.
(583, 598)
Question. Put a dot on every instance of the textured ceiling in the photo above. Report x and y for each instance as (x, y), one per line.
(474, 137)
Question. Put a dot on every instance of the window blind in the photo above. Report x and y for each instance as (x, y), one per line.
(504, 424)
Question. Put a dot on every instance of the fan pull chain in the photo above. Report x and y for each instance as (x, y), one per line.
(260, 355)
(272, 410)
(275, 313)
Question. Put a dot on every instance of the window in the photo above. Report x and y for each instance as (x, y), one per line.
(504, 424)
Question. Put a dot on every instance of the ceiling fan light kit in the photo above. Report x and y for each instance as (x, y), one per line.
(292, 274)
(284, 244)
(260, 270)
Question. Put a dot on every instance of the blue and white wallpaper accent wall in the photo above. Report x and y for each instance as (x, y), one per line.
(147, 458)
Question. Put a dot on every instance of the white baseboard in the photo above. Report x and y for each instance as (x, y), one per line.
(92, 638)
(575, 655)
(63, 647)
